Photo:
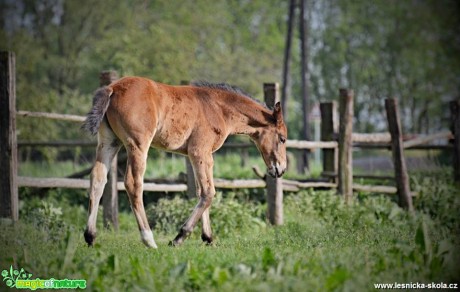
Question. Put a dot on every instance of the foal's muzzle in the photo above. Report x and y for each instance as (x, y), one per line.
(276, 170)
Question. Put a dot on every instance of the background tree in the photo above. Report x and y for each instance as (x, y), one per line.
(403, 49)
(384, 48)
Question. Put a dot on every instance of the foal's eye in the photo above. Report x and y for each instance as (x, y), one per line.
(282, 140)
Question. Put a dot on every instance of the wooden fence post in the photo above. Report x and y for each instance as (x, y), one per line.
(274, 185)
(329, 126)
(110, 195)
(244, 157)
(455, 129)
(8, 144)
(191, 184)
(401, 176)
(345, 171)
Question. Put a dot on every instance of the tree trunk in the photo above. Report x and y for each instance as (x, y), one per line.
(287, 60)
(304, 163)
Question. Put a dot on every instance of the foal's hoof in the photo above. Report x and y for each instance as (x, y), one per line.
(173, 243)
(183, 234)
(177, 241)
(89, 237)
(206, 239)
(147, 239)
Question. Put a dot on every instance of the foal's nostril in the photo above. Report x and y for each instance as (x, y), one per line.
(278, 171)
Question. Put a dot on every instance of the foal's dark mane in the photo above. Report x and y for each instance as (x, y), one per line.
(225, 87)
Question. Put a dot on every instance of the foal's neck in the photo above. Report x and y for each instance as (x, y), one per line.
(247, 117)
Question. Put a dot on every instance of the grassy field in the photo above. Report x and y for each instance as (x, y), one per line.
(225, 166)
(323, 245)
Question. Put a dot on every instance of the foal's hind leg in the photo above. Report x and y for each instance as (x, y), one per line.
(134, 181)
(107, 147)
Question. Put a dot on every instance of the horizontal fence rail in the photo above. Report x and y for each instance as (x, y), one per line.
(74, 183)
(53, 116)
(296, 144)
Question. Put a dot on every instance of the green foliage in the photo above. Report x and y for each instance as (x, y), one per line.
(234, 217)
(381, 50)
(405, 49)
(47, 168)
(159, 165)
(324, 244)
(229, 165)
(54, 213)
(436, 196)
(74, 41)
(168, 215)
(229, 216)
(45, 216)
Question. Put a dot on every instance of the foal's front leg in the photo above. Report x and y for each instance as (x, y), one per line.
(206, 233)
(205, 185)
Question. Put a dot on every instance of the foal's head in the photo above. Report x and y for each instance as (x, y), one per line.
(271, 141)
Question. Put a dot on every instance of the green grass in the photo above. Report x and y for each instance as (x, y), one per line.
(227, 166)
(50, 168)
(324, 245)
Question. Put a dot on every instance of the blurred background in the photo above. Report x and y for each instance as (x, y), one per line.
(388, 48)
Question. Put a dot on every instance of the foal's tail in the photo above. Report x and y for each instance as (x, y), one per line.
(101, 101)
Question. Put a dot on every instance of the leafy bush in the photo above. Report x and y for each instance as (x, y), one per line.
(228, 215)
(438, 197)
(54, 213)
(167, 215)
(331, 208)
(46, 216)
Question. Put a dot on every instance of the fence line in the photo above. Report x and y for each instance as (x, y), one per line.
(311, 145)
(362, 140)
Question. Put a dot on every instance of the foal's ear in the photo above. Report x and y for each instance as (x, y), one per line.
(278, 113)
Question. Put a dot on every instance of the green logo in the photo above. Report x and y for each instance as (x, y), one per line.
(20, 279)
(13, 275)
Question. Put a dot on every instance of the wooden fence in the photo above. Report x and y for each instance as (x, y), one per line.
(337, 141)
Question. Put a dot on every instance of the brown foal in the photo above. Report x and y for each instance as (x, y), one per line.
(195, 120)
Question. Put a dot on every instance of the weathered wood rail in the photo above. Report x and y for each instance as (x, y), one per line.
(53, 116)
(336, 145)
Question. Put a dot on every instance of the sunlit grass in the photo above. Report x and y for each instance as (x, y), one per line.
(166, 166)
(50, 168)
(324, 245)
